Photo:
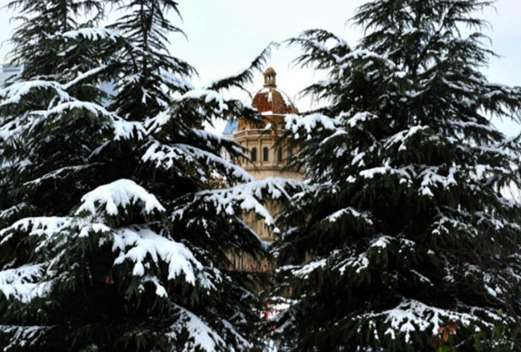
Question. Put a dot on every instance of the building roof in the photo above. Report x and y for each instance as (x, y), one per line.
(270, 99)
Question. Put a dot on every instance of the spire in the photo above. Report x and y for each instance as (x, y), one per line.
(270, 78)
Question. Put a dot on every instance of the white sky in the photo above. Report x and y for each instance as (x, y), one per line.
(225, 35)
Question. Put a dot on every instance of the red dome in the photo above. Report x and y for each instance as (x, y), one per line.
(270, 99)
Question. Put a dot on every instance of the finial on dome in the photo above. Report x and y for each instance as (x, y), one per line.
(270, 77)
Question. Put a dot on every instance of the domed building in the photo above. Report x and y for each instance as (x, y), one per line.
(268, 155)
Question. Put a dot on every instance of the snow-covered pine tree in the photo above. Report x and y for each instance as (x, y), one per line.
(52, 118)
(413, 247)
(149, 73)
(124, 247)
(35, 46)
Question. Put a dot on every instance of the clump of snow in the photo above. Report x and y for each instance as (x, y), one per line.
(90, 33)
(22, 283)
(14, 93)
(411, 317)
(309, 122)
(38, 226)
(126, 129)
(359, 118)
(356, 264)
(165, 157)
(404, 136)
(381, 242)
(23, 274)
(431, 177)
(141, 245)
(245, 198)
(403, 173)
(121, 194)
(202, 337)
(307, 269)
(342, 213)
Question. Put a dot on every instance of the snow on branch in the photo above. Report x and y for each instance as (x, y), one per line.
(124, 129)
(22, 335)
(62, 104)
(202, 337)
(23, 284)
(46, 227)
(243, 198)
(118, 196)
(12, 212)
(431, 177)
(90, 33)
(452, 226)
(401, 138)
(15, 92)
(85, 75)
(405, 173)
(61, 173)
(166, 156)
(63, 107)
(304, 271)
(309, 123)
(356, 264)
(176, 80)
(23, 274)
(143, 247)
(357, 120)
(412, 317)
(349, 213)
(380, 246)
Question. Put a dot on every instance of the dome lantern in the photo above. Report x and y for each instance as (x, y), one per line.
(270, 78)
(270, 100)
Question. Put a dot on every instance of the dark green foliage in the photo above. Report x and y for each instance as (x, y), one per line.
(35, 43)
(408, 235)
(112, 234)
(149, 73)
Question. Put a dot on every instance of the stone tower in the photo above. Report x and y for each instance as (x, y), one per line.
(268, 154)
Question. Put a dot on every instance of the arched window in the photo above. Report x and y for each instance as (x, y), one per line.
(279, 154)
(266, 154)
(253, 154)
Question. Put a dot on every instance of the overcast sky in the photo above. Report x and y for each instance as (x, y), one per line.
(225, 35)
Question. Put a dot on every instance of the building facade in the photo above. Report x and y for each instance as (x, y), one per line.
(268, 153)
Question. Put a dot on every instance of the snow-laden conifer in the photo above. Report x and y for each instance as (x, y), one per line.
(119, 214)
(403, 240)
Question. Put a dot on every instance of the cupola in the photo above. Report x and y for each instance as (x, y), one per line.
(270, 99)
